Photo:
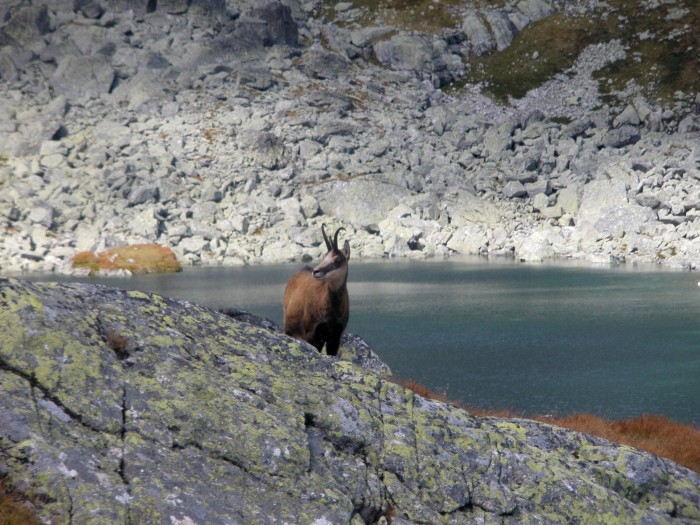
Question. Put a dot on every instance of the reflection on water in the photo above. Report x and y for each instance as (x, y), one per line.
(535, 339)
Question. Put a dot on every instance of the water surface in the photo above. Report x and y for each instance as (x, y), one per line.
(616, 342)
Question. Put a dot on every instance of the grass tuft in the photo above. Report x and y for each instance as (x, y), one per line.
(427, 16)
(136, 258)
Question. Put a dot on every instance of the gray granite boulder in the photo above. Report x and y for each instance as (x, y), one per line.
(405, 52)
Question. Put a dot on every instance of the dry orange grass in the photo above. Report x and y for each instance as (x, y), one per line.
(656, 434)
(424, 391)
(15, 509)
(136, 258)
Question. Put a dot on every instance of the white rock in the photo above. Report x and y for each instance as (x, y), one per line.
(569, 200)
(539, 246)
(42, 213)
(292, 211)
(145, 225)
(281, 251)
(240, 223)
(540, 202)
(468, 240)
(193, 245)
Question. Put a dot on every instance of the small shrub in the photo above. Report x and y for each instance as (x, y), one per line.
(211, 133)
(424, 391)
(136, 258)
(86, 260)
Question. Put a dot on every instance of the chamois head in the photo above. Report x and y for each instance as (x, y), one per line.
(333, 269)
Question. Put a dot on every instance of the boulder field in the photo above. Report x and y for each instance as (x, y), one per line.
(229, 131)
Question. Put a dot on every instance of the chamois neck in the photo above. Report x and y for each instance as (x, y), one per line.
(336, 286)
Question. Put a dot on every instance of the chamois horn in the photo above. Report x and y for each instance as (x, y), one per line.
(332, 246)
(335, 239)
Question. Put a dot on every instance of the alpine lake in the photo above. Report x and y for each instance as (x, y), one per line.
(565, 338)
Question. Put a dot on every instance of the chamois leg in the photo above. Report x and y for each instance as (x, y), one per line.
(332, 345)
(317, 341)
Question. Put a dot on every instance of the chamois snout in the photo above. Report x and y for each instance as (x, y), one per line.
(316, 304)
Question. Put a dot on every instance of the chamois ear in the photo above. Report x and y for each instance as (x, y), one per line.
(346, 249)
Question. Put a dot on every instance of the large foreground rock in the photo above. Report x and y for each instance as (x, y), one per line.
(125, 407)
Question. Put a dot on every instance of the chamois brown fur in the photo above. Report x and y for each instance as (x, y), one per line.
(316, 302)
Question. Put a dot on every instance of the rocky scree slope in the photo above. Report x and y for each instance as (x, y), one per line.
(230, 131)
(124, 407)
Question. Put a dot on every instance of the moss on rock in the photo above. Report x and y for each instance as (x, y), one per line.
(123, 407)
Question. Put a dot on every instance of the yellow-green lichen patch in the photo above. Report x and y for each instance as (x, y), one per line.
(63, 370)
(511, 426)
(15, 297)
(399, 454)
(346, 371)
(409, 503)
(136, 294)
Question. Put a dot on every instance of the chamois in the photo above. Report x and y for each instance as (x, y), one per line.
(316, 303)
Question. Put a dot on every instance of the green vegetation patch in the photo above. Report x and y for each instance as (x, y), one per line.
(663, 50)
(426, 16)
(542, 50)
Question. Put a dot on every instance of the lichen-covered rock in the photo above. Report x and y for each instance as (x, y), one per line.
(124, 407)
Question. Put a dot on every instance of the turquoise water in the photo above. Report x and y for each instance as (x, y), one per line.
(616, 342)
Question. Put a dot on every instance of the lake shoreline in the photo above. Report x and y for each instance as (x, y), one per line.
(67, 271)
(498, 322)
